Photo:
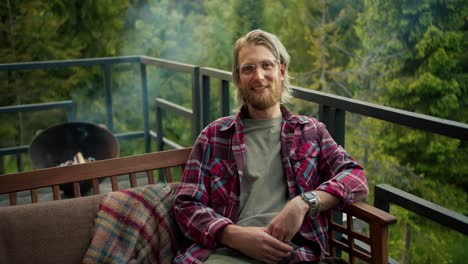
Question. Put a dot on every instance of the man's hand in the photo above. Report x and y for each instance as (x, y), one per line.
(286, 224)
(255, 243)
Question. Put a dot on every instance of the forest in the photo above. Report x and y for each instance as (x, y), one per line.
(407, 54)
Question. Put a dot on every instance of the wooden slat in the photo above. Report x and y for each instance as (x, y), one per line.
(340, 228)
(360, 237)
(331, 242)
(133, 180)
(76, 189)
(56, 192)
(13, 198)
(168, 174)
(34, 196)
(96, 188)
(349, 227)
(114, 183)
(358, 253)
(150, 175)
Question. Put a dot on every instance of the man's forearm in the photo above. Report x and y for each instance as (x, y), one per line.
(327, 201)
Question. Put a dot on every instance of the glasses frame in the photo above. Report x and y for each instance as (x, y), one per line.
(255, 66)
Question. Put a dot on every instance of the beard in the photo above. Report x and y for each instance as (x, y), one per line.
(264, 100)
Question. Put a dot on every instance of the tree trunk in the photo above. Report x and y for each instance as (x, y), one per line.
(406, 245)
(12, 80)
(323, 58)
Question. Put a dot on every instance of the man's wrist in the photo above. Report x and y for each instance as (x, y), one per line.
(313, 200)
(225, 234)
(303, 205)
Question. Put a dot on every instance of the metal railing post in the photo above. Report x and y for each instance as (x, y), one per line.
(225, 105)
(334, 119)
(107, 86)
(71, 115)
(206, 90)
(144, 99)
(159, 126)
(380, 200)
(196, 98)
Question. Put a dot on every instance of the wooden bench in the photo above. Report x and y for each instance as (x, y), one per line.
(370, 246)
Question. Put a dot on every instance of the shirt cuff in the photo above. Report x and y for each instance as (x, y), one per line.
(211, 231)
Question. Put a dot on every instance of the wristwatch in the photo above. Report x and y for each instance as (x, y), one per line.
(314, 202)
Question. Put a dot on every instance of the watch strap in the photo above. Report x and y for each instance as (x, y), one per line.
(314, 202)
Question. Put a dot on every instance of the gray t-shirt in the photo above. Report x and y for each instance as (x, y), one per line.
(264, 186)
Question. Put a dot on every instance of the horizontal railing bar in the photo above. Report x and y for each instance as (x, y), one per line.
(66, 63)
(216, 73)
(175, 108)
(166, 141)
(172, 143)
(424, 122)
(183, 67)
(130, 135)
(14, 150)
(36, 107)
(153, 134)
(422, 207)
(24, 148)
(436, 125)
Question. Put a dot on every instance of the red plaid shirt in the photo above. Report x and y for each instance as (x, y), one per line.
(208, 198)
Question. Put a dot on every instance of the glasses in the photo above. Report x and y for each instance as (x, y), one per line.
(267, 66)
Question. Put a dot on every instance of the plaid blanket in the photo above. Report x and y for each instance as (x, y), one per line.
(134, 226)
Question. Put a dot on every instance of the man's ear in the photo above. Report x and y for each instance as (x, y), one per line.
(282, 72)
(237, 80)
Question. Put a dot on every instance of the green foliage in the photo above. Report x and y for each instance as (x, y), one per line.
(320, 38)
(440, 49)
(248, 16)
(427, 154)
(412, 241)
(427, 81)
(405, 54)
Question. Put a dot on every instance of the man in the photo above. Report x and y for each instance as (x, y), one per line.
(256, 183)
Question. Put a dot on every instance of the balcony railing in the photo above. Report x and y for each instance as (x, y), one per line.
(332, 111)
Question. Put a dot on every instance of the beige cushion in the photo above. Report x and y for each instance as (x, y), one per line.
(47, 232)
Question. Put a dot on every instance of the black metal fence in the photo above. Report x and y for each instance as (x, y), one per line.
(332, 111)
(386, 195)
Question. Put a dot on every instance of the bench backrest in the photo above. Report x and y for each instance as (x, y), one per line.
(132, 167)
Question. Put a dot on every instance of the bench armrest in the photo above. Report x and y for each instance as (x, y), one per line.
(371, 245)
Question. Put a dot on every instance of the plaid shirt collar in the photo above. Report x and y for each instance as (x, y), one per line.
(288, 116)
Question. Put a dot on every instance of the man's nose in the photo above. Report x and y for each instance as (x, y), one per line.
(259, 73)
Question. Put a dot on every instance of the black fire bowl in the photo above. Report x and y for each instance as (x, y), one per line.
(60, 143)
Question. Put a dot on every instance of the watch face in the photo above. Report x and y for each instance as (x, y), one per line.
(312, 199)
(309, 196)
